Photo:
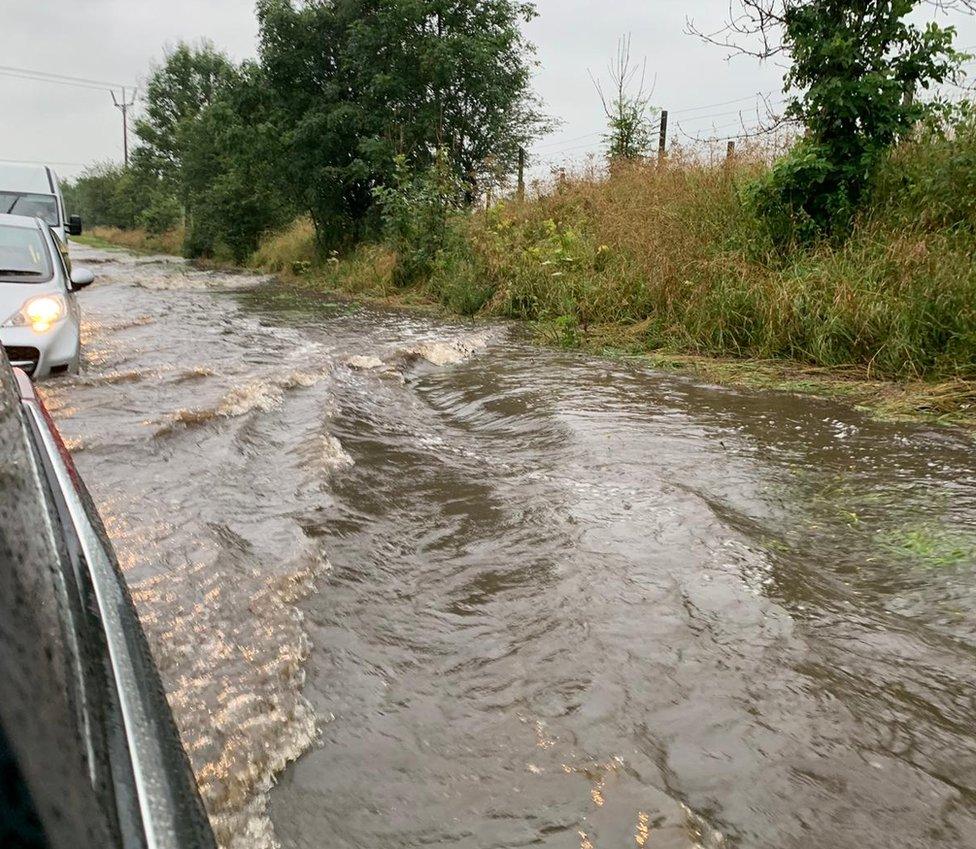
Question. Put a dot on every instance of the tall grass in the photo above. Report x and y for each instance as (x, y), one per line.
(290, 249)
(141, 240)
(292, 253)
(673, 258)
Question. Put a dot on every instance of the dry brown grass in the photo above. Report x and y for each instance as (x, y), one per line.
(287, 251)
(291, 255)
(674, 255)
(368, 271)
(139, 240)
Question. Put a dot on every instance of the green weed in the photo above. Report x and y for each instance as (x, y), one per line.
(928, 545)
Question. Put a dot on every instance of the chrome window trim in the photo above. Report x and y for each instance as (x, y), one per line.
(144, 749)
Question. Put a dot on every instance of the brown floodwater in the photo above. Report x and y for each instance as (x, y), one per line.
(469, 592)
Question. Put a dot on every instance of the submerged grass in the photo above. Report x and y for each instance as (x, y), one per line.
(929, 546)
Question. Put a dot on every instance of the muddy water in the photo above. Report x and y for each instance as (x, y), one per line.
(501, 596)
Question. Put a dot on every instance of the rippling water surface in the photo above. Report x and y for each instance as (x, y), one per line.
(502, 596)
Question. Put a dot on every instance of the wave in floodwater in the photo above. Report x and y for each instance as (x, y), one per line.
(204, 436)
(420, 584)
(206, 521)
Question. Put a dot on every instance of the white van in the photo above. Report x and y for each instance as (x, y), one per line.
(34, 191)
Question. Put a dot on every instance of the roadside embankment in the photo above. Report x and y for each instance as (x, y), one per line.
(669, 263)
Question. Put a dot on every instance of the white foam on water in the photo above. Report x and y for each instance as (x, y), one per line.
(332, 455)
(262, 394)
(365, 363)
(447, 352)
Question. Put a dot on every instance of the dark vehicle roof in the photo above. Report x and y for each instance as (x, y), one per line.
(37, 722)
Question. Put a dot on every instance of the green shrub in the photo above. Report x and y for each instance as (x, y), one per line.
(799, 197)
(458, 279)
(162, 215)
(414, 211)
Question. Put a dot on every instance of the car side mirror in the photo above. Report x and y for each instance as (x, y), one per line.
(80, 278)
(74, 225)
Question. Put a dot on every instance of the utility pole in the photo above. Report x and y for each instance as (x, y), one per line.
(730, 151)
(663, 141)
(521, 174)
(124, 106)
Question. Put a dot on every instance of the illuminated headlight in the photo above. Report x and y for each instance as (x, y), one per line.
(40, 314)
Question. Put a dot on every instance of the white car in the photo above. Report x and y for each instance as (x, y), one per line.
(35, 191)
(40, 321)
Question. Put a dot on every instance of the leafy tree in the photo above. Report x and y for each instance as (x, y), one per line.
(361, 82)
(189, 80)
(627, 107)
(112, 195)
(230, 173)
(329, 135)
(162, 214)
(858, 68)
(453, 78)
(93, 195)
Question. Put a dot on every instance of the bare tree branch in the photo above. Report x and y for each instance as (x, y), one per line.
(755, 21)
(754, 27)
(947, 6)
(765, 125)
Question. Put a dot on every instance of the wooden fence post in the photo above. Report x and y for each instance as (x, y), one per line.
(521, 174)
(663, 140)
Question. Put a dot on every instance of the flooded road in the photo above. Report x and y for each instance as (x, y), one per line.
(500, 596)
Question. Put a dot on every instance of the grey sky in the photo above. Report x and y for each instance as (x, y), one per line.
(116, 40)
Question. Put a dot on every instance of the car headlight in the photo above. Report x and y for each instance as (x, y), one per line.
(40, 313)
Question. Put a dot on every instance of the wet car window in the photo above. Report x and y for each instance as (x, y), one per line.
(24, 256)
(44, 207)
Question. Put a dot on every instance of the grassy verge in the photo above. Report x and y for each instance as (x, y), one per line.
(668, 264)
(137, 241)
(942, 402)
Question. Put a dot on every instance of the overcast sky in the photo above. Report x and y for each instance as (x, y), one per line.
(117, 40)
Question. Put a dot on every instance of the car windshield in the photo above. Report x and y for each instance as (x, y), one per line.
(44, 207)
(24, 256)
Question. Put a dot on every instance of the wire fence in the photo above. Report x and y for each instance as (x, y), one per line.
(706, 128)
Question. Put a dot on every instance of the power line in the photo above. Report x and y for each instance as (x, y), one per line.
(756, 96)
(753, 97)
(745, 134)
(123, 104)
(63, 77)
(567, 141)
(15, 76)
(728, 126)
(556, 154)
(45, 162)
(694, 118)
(567, 155)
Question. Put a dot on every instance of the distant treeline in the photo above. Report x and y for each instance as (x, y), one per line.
(347, 100)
